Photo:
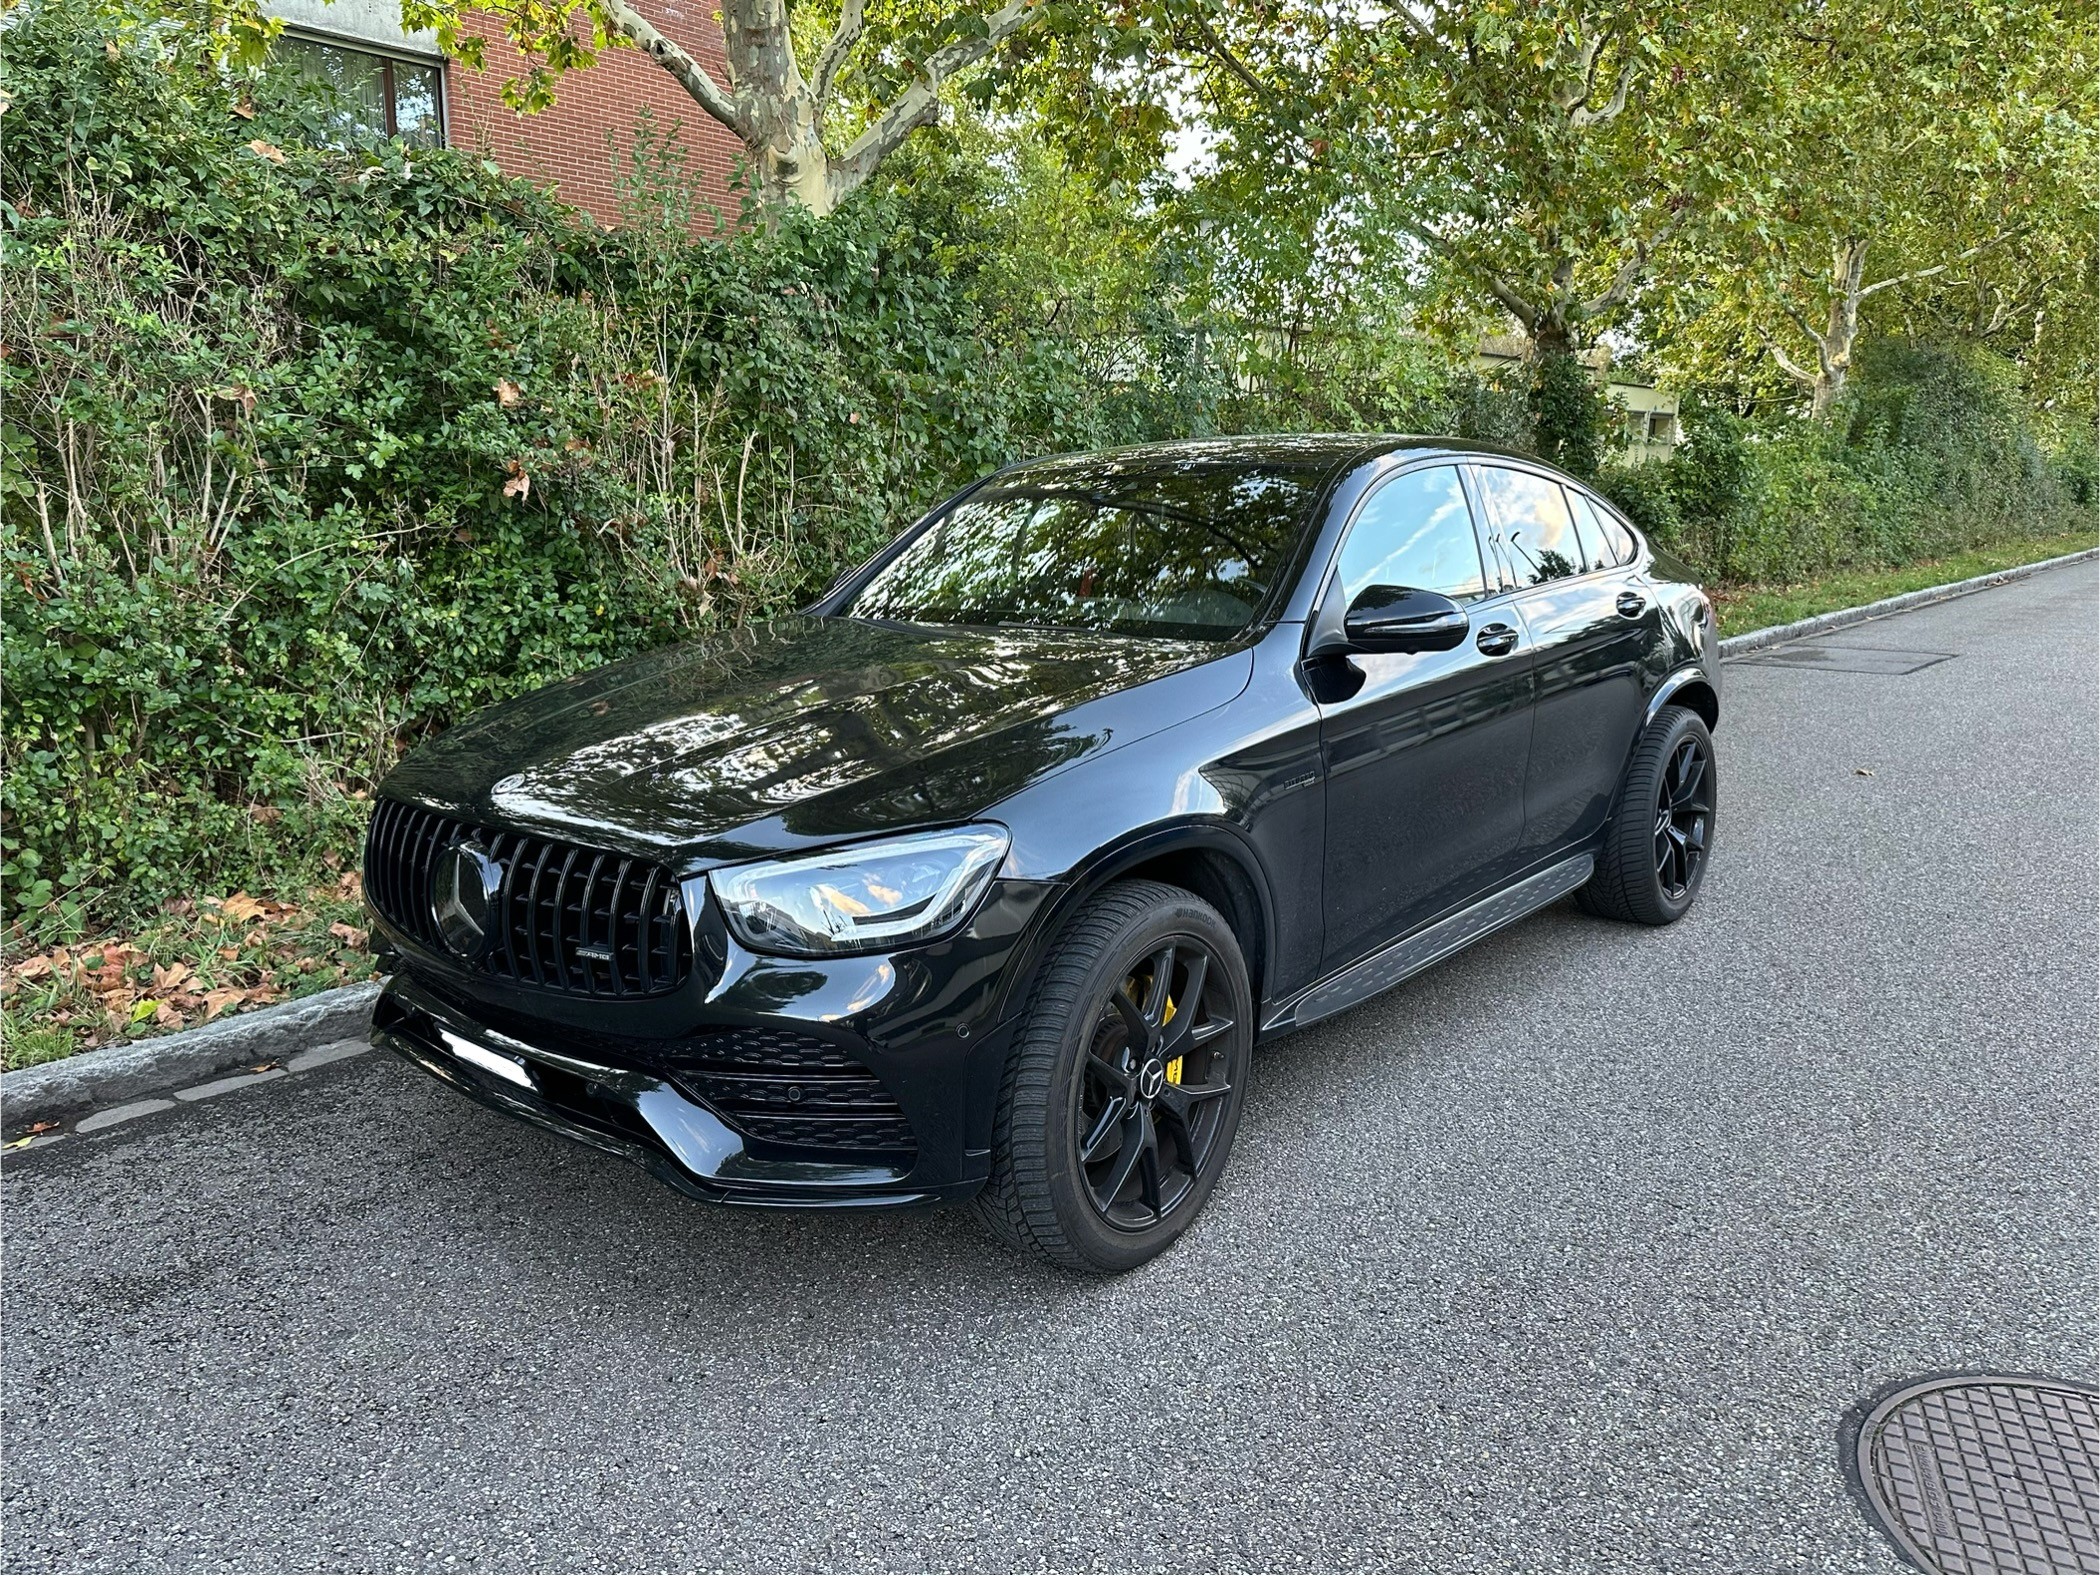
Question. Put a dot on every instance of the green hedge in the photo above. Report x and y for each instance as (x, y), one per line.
(1933, 452)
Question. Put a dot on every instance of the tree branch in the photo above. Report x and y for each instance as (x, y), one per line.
(1940, 268)
(1519, 308)
(1631, 270)
(1800, 375)
(1218, 47)
(852, 13)
(1417, 27)
(1582, 115)
(705, 91)
(921, 102)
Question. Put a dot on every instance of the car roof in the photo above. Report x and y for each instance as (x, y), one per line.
(1326, 452)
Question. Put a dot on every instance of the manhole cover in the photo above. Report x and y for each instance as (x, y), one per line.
(1981, 1472)
(1846, 659)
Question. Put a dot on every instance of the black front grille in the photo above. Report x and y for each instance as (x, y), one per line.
(568, 918)
(795, 1091)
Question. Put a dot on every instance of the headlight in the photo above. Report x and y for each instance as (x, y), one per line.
(863, 897)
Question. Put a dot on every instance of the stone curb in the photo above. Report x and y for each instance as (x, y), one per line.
(188, 1056)
(1845, 617)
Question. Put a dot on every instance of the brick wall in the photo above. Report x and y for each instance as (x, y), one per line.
(577, 145)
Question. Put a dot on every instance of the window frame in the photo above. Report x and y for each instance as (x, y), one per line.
(1323, 609)
(387, 62)
(1636, 564)
(1490, 569)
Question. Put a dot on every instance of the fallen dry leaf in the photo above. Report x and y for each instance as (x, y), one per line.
(519, 486)
(266, 1067)
(217, 1001)
(242, 906)
(349, 935)
(506, 392)
(168, 977)
(266, 150)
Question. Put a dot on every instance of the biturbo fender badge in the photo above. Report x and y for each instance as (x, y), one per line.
(464, 898)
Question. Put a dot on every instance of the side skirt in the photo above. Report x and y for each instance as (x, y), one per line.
(1408, 956)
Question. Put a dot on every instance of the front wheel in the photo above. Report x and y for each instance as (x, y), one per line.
(1124, 1085)
(1656, 849)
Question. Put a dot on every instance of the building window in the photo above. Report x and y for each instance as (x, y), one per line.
(370, 94)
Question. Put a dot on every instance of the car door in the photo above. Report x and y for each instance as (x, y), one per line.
(1423, 752)
(1594, 629)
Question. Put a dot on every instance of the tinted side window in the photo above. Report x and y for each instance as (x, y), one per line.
(1532, 514)
(1414, 531)
(1600, 527)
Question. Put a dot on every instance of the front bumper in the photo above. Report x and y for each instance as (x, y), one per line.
(908, 1047)
(633, 1112)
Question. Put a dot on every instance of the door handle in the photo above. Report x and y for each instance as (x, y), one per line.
(1497, 640)
(1632, 604)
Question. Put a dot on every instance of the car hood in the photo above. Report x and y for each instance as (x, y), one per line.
(808, 730)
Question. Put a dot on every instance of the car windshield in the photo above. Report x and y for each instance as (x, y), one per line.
(1171, 548)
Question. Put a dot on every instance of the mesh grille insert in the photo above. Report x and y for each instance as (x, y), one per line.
(796, 1091)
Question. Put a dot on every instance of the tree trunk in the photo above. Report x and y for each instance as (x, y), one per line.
(779, 116)
(1848, 265)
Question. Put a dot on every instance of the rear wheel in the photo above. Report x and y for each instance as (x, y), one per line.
(1655, 851)
(1124, 1085)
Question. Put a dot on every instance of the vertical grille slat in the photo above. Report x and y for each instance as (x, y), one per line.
(559, 910)
(645, 928)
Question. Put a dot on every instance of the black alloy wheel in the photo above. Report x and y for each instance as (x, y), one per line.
(1124, 1084)
(1682, 814)
(1654, 853)
(1151, 1101)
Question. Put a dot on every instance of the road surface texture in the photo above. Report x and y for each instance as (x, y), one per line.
(1569, 1254)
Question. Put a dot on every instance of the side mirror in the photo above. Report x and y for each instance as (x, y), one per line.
(1400, 618)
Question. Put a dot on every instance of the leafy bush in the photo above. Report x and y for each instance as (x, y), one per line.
(1932, 453)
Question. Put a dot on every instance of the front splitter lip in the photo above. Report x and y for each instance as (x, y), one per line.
(632, 1114)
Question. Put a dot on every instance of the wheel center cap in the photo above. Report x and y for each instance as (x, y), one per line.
(1152, 1078)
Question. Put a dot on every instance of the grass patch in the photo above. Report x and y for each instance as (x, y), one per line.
(1744, 608)
(198, 959)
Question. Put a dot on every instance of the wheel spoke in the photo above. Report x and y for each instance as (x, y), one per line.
(1176, 1122)
(1157, 987)
(1148, 1172)
(1136, 1131)
(1133, 1020)
(1182, 1099)
(1691, 780)
(1180, 1033)
(1095, 1146)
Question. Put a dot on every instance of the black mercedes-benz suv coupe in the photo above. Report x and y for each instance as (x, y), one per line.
(983, 877)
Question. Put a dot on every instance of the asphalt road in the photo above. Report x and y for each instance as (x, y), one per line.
(1567, 1255)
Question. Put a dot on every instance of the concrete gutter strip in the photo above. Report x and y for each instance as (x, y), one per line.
(1845, 617)
(189, 1056)
(146, 1067)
